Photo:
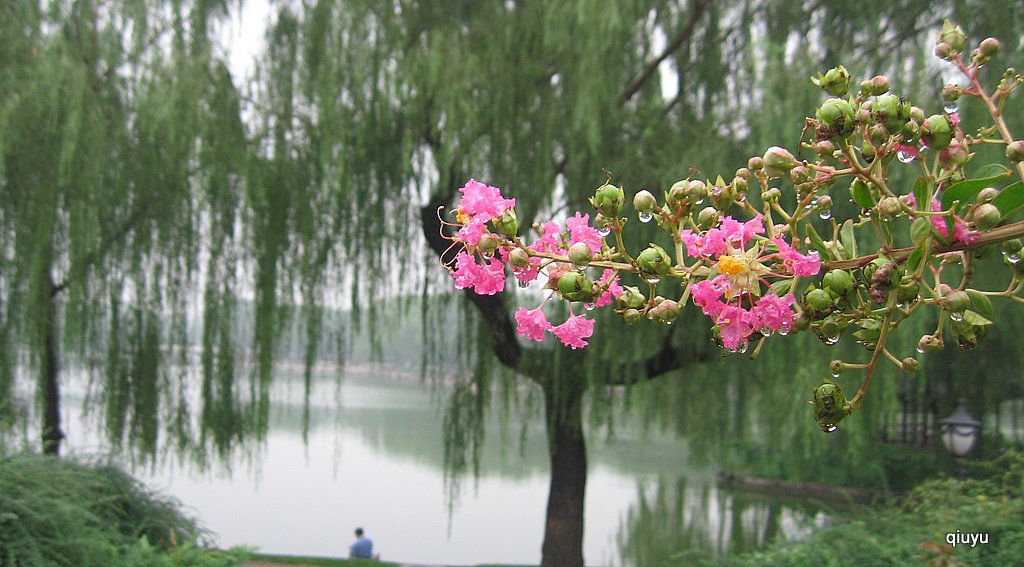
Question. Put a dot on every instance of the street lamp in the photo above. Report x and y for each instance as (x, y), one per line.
(960, 431)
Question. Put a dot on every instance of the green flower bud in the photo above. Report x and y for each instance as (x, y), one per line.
(829, 405)
(665, 312)
(989, 46)
(580, 255)
(937, 132)
(771, 195)
(1015, 151)
(929, 343)
(755, 163)
(488, 243)
(1012, 246)
(644, 202)
(823, 203)
(653, 261)
(676, 195)
(954, 155)
(879, 85)
(837, 116)
(878, 134)
(952, 35)
(944, 51)
(864, 89)
(519, 258)
(818, 301)
(917, 115)
(889, 207)
(608, 200)
(824, 149)
(951, 93)
(707, 217)
(839, 282)
(986, 216)
(987, 194)
(742, 173)
(835, 81)
(739, 187)
(631, 298)
(835, 367)
(778, 161)
(891, 110)
(908, 291)
(909, 365)
(507, 223)
(696, 191)
(956, 301)
(574, 285)
(632, 316)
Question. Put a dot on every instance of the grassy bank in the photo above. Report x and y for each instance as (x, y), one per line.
(331, 562)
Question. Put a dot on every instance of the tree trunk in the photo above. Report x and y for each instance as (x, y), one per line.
(563, 530)
(52, 432)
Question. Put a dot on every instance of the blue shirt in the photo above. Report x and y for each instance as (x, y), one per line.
(362, 548)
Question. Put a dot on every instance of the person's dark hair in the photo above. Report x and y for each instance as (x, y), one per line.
(359, 531)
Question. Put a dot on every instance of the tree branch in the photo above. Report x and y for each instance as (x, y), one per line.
(684, 36)
(96, 255)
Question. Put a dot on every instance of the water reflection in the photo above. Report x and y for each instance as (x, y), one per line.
(373, 457)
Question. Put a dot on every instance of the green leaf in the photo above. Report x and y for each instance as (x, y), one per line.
(922, 194)
(973, 319)
(861, 194)
(848, 239)
(967, 189)
(1010, 199)
(782, 287)
(817, 242)
(981, 303)
(914, 261)
(920, 229)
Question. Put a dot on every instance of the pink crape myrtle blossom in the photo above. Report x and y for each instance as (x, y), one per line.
(733, 298)
(614, 289)
(472, 232)
(960, 231)
(485, 279)
(533, 324)
(581, 231)
(574, 330)
(480, 200)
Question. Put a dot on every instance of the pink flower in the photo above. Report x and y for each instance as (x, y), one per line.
(490, 278)
(707, 294)
(773, 313)
(796, 263)
(471, 233)
(465, 270)
(734, 325)
(580, 231)
(485, 279)
(574, 330)
(960, 231)
(614, 289)
(532, 323)
(483, 200)
(550, 240)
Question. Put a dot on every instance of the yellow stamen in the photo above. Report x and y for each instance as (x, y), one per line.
(731, 265)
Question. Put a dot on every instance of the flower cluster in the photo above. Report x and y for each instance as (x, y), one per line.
(480, 262)
(733, 298)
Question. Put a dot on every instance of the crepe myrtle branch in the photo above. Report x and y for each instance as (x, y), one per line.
(763, 255)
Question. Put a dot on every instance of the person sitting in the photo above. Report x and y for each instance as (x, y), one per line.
(362, 548)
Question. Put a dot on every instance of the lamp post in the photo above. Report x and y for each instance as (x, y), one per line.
(960, 432)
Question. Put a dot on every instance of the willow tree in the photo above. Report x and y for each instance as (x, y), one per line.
(134, 209)
(401, 104)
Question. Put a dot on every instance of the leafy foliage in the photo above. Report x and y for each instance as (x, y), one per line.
(62, 512)
(914, 532)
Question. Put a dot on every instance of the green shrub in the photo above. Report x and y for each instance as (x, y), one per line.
(59, 512)
(912, 532)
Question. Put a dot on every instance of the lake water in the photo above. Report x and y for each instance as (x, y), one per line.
(374, 458)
